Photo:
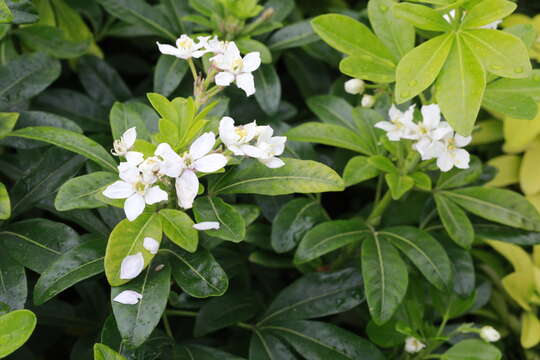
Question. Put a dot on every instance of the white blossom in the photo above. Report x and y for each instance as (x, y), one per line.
(185, 48)
(367, 101)
(171, 164)
(413, 345)
(269, 147)
(131, 266)
(128, 297)
(431, 129)
(151, 244)
(354, 86)
(198, 159)
(236, 69)
(449, 152)
(125, 143)
(238, 138)
(213, 45)
(400, 125)
(206, 225)
(489, 334)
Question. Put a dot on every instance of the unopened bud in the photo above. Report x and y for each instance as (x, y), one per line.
(354, 86)
(413, 345)
(368, 101)
(489, 334)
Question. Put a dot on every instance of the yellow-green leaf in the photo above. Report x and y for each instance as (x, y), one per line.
(529, 173)
(530, 330)
(507, 170)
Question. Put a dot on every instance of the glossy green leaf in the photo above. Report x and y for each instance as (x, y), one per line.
(419, 68)
(316, 295)
(5, 14)
(127, 239)
(297, 176)
(103, 352)
(127, 115)
(37, 243)
(365, 120)
(71, 141)
(14, 290)
(265, 346)
(501, 53)
(199, 352)
(268, 86)
(385, 277)
(169, 73)
(423, 251)
(247, 45)
(498, 205)
(25, 77)
(455, 221)
(329, 236)
(398, 184)
(327, 134)
(385, 335)
(5, 203)
(507, 234)
(421, 16)
(198, 274)
(7, 122)
(368, 68)
(294, 35)
(79, 192)
(178, 227)
(472, 349)
(460, 88)
(270, 260)
(136, 322)
(357, 170)
(249, 212)
(459, 177)
(332, 110)
(293, 220)
(52, 41)
(75, 265)
(232, 226)
(15, 329)
(486, 12)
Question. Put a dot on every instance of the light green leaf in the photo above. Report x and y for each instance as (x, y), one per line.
(294, 35)
(486, 12)
(398, 184)
(15, 329)
(247, 45)
(516, 106)
(472, 349)
(327, 134)
(422, 17)
(79, 192)
(297, 176)
(232, 226)
(367, 68)
(7, 122)
(419, 68)
(127, 239)
(169, 73)
(178, 227)
(103, 352)
(455, 221)
(5, 203)
(357, 170)
(268, 86)
(530, 330)
(5, 14)
(332, 110)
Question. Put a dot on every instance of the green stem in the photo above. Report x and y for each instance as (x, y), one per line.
(167, 326)
(374, 218)
(243, 325)
(181, 313)
(193, 69)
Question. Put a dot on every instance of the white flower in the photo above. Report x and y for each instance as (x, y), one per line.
(131, 266)
(400, 125)
(151, 244)
(197, 159)
(185, 48)
(126, 142)
(206, 225)
(367, 101)
(449, 153)
(237, 138)
(237, 69)
(133, 188)
(429, 130)
(213, 45)
(149, 169)
(354, 86)
(171, 164)
(413, 345)
(128, 297)
(269, 147)
(489, 334)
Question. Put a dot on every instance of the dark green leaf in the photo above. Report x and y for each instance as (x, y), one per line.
(268, 86)
(507, 234)
(169, 73)
(52, 41)
(265, 346)
(79, 192)
(459, 177)
(332, 110)
(455, 221)
(293, 35)
(24, 11)
(232, 226)
(13, 289)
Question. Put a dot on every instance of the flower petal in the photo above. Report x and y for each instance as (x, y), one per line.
(169, 50)
(210, 163)
(461, 158)
(385, 125)
(129, 137)
(131, 266)
(151, 244)
(134, 206)
(273, 162)
(202, 145)
(432, 115)
(128, 297)
(128, 172)
(187, 187)
(155, 195)
(118, 190)
(445, 162)
(251, 61)
(246, 82)
(462, 141)
(134, 158)
(224, 78)
(206, 225)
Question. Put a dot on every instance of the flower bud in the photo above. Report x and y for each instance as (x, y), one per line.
(489, 334)
(368, 101)
(354, 86)
(413, 345)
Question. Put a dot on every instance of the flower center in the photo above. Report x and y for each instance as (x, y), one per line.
(240, 131)
(451, 145)
(423, 130)
(237, 65)
(185, 44)
(140, 188)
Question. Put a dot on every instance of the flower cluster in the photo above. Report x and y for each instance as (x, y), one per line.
(434, 139)
(228, 64)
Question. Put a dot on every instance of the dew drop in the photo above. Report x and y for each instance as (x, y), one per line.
(495, 67)
(413, 83)
(518, 69)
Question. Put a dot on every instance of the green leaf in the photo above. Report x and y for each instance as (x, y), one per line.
(103, 352)
(422, 17)
(507, 234)
(486, 12)
(71, 141)
(530, 328)
(136, 322)
(178, 227)
(14, 289)
(529, 86)
(199, 352)
(270, 260)
(332, 110)
(297, 176)
(460, 88)
(7, 122)
(398, 35)
(265, 346)
(472, 349)
(52, 41)
(419, 68)
(169, 73)
(75, 265)
(357, 170)
(268, 92)
(368, 68)
(501, 53)
(385, 277)
(398, 184)
(198, 274)
(37, 243)
(329, 236)
(365, 120)
(498, 205)
(5, 203)
(455, 221)
(249, 212)
(385, 336)
(293, 220)
(294, 35)
(232, 226)
(79, 192)
(224, 311)
(383, 163)
(124, 116)
(24, 11)
(327, 134)
(322, 341)
(351, 37)
(459, 177)
(316, 295)
(247, 45)
(25, 77)
(5, 14)
(514, 105)
(15, 329)
(423, 251)
(140, 13)
(127, 239)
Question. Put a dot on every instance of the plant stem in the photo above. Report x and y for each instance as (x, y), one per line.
(181, 313)
(167, 326)
(245, 326)
(376, 214)
(193, 69)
